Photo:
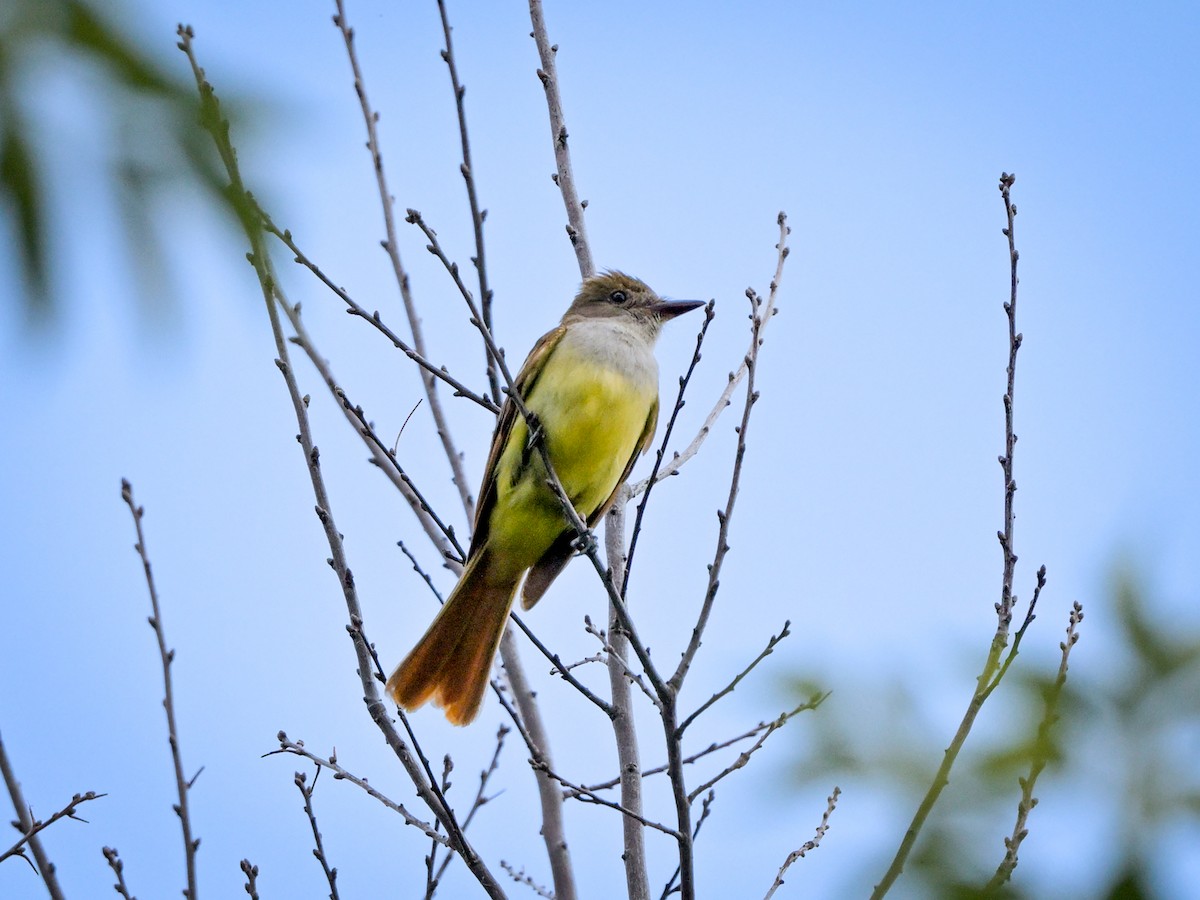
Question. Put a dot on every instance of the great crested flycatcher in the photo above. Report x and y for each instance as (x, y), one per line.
(592, 384)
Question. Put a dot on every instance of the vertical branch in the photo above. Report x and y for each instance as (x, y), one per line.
(477, 215)
(1004, 609)
(306, 791)
(637, 879)
(218, 128)
(1041, 756)
(661, 453)
(553, 830)
(118, 868)
(564, 177)
(714, 570)
(251, 872)
(182, 785)
(26, 822)
(992, 670)
(387, 201)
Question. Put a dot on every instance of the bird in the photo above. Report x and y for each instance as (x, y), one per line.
(591, 387)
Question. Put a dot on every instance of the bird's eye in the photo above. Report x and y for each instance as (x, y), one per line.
(616, 297)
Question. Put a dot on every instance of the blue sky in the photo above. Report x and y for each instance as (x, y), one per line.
(869, 507)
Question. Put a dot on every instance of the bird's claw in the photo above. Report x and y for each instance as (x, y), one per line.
(584, 543)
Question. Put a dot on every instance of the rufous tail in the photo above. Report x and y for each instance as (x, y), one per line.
(452, 662)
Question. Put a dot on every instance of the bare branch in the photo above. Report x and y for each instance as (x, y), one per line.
(1012, 844)
(118, 867)
(735, 378)
(387, 202)
(661, 453)
(616, 654)
(767, 651)
(520, 877)
(564, 176)
(744, 756)
(714, 570)
(251, 872)
(637, 878)
(182, 784)
(987, 680)
(306, 791)
(30, 827)
(218, 127)
(477, 215)
(560, 668)
(579, 792)
(481, 797)
(812, 703)
(25, 824)
(808, 845)
(356, 309)
(705, 809)
(297, 748)
(420, 571)
(1030, 615)
(533, 730)
(440, 534)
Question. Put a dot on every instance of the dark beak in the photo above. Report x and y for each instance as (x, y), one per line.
(669, 309)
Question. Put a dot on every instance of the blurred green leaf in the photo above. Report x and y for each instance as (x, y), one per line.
(20, 190)
(153, 110)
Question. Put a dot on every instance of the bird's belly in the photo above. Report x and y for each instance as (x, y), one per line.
(596, 432)
(592, 428)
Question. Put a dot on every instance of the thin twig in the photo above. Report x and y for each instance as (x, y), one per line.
(812, 703)
(30, 831)
(519, 876)
(218, 127)
(1030, 615)
(251, 872)
(579, 792)
(1041, 756)
(744, 756)
(381, 454)
(373, 317)
(25, 824)
(616, 654)
(420, 571)
(477, 215)
(340, 773)
(767, 651)
(306, 791)
(986, 681)
(661, 453)
(481, 797)
(723, 517)
(387, 202)
(560, 668)
(118, 867)
(182, 784)
(831, 804)
(735, 378)
(564, 176)
(705, 809)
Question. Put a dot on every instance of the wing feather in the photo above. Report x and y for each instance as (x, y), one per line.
(531, 370)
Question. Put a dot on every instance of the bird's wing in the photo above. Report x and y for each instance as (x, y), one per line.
(533, 367)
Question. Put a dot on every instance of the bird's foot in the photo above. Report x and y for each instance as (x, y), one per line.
(584, 543)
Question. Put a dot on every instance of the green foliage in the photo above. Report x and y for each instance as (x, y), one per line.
(154, 113)
(1123, 727)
